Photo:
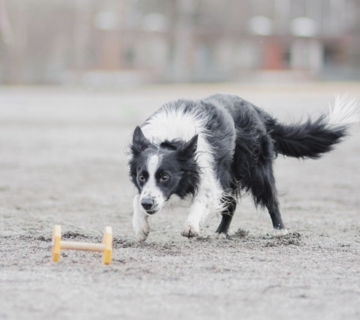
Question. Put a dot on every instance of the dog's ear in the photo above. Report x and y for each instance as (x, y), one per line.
(139, 143)
(189, 149)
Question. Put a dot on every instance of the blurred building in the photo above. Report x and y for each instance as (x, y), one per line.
(113, 42)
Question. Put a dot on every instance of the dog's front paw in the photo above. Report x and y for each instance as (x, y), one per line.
(141, 229)
(190, 230)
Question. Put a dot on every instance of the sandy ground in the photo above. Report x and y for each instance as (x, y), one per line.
(62, 162)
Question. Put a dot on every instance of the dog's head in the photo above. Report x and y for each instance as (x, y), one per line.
(159, 171)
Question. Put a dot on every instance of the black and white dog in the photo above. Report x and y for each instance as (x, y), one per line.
(212, 149)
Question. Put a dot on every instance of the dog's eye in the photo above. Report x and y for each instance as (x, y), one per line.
(141, 178)
(164, 177)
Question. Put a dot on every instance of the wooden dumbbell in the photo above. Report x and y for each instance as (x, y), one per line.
(105, 247)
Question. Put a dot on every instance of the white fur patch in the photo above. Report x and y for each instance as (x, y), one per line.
(152, 164)
(170, 123)
(344, 112)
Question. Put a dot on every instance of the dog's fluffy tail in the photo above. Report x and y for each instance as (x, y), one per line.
(313, 138)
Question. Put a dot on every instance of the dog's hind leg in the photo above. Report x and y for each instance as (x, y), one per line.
(229, 204)
(262, 184)
(265, 194)
(275, 216)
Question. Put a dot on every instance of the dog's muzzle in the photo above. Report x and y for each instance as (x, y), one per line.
(149, 205)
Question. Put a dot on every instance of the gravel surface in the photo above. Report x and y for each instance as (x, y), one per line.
(63, 161)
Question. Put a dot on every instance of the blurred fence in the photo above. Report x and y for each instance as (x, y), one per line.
(111, 42)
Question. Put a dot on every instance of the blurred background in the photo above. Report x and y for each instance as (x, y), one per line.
(130, 42)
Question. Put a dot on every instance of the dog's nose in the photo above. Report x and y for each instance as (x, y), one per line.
(147, 203)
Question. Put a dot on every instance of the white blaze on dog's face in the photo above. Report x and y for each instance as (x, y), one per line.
(152, 198)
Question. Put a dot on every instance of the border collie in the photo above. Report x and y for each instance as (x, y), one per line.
(211, 150)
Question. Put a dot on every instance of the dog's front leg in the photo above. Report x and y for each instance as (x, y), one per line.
(198, 211)
(140, 220)
(205, 202)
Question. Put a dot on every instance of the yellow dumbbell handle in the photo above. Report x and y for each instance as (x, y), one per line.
(70, 245)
